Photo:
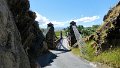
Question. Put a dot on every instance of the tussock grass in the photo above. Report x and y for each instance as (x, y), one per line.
(90, 51)
(76, 51)
(110, 57)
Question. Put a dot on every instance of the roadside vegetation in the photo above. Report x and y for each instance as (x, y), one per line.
(110, 57)
(84, 31)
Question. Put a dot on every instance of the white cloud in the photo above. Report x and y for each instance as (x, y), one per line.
(87, 19)
(43, 21)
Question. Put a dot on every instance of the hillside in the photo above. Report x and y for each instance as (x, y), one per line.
(108, 35)
(104, 45)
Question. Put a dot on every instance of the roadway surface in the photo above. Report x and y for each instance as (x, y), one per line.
(65, 59)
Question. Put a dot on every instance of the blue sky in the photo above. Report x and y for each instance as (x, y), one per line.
(61, 12)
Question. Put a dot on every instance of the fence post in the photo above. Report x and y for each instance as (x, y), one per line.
(50, 36)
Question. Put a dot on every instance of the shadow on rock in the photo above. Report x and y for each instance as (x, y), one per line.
(46, 59)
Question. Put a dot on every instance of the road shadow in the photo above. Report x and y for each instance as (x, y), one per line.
(46, 59)
(60, 51)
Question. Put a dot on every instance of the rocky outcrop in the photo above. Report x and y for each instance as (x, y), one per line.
(24, 18)
(108, 35)
(12, 54)
(19, 35)
(72, 35)
(32, 37)
(50, 37)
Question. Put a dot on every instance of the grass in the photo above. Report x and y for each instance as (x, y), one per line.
(109, 57)
(58, 33)
(76, 51)
(90, 51)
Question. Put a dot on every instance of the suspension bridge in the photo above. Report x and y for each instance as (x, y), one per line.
(60, 55)
(75, 37)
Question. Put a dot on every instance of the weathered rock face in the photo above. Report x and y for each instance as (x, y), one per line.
(12, 54)
(50, 37)
(32, 38)
(72, 35)
(31, 35)
(109, 33)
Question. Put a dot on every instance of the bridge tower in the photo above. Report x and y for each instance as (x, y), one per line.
(72, 35)
(50, 36)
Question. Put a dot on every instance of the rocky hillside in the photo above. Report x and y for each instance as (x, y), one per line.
(108, 35)
(20, 36)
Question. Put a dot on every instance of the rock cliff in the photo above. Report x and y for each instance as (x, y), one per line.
(20, 36)
(12, 54)
(108, 35)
